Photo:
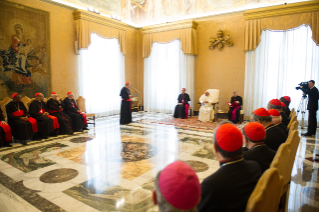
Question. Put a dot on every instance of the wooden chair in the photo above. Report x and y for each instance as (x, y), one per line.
(3, 103)
(291, 112)
(81, 104)
(26, 100)
(45, 100)
(293, 118)
(293, 142)
(267, 193)
(29, 103)
(293, 126)
(282, 162)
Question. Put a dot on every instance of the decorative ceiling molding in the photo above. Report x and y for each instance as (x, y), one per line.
(287, 9)
(92, 17)
(59, 5)
(170, 26)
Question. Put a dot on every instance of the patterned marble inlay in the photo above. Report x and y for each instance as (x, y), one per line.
(59, 175)
(312, 193)
(198, 166)
(80, 139)
(137, 151)
(206, 152)
(28, 160)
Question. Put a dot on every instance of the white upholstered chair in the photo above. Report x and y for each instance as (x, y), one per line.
(215, 94)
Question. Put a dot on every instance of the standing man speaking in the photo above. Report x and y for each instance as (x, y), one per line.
(312, 107)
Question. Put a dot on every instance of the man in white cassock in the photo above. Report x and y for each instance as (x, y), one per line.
(206, 111)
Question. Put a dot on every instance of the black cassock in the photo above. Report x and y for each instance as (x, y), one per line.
(21, 130)
(180, 109)
(44, 122)
(65, 121)
(230, 112)
(274, 137)
(126, 113)
(3, 141)
(72, 111)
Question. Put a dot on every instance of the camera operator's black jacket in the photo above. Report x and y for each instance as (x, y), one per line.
(312, 98)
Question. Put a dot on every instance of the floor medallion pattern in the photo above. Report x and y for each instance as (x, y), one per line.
(80, 139)
(197, 165)
(59, 175)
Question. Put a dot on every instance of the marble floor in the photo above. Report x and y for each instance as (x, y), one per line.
(112, 167)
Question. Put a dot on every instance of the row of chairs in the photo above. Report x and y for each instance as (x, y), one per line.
(271, 189)
(27, 101)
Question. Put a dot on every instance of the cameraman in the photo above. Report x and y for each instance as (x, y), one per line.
(312, 92)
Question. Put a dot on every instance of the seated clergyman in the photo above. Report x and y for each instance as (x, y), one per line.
(177, 188)
(23, 127)
(286, 100)
(71, 108)
(55, 109)
(254, 136)
(235, 107)
(276, 104)
(276, 120)
(181, 109)
(274, 136)
(229, 188)
(206, 111)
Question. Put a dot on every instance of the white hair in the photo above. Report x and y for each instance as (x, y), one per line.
(163, 205)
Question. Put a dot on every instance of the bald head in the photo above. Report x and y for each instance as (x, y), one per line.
(40, 97)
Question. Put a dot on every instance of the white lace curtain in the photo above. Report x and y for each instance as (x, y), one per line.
(102, 76)
(166, 71)
(280, 62)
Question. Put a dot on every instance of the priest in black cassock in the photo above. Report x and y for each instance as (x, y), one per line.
(181, 109)
(126, 113)
(56, 110)
(5, 132)
(234, 110)
(71, 108)
(39, 111)
(23, 128)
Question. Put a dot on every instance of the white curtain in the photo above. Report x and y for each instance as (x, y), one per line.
(281, 61)
(166, 71)
(102, 76)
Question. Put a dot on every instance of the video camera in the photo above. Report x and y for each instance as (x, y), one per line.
(303, 84)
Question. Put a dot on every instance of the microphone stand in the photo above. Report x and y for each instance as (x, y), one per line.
(140, 107)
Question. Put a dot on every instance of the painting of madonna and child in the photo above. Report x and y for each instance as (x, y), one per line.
(24, 51)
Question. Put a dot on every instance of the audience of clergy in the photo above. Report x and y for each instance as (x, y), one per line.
(286, 100)
(276, 120)
(235, 107)
(182, 107)
(276, 104)
(274, 135)
(255, 148)
(177, 188)
(5, 132)
(23, 127)
(229, 188)
(206, 111)
(72, 110)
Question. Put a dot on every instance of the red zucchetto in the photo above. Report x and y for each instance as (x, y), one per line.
(14, 95)
(261, 112)
(53, 93)
(229, 137)
(37, 94)
(273, 112)
(287, 98)
(255, 131)
(127, 83)
(275, 102)
(69, 93)
(283, 104)
(179, 185)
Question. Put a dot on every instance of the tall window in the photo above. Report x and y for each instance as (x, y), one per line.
(280, 62)
(102, 75)
(166, 71)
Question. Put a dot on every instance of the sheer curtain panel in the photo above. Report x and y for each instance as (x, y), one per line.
(102, 76)
(166, 71)
(280, 62)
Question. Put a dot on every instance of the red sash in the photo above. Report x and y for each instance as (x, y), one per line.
(84, 116)
(18, 113)
(54, 111)
(7, 130)
(41, 111)
(34, 124)
(55, 122)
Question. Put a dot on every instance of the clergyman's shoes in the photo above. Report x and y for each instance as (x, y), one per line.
(85, 128)
(23, 142)
(306, 134)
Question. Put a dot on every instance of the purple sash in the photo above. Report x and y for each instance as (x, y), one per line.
(186, 111)
(234, 112)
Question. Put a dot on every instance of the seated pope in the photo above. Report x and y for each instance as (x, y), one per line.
(206, 111)
(181, 109)
(235, 107)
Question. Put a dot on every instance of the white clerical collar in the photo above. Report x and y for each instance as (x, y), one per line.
(312, 87)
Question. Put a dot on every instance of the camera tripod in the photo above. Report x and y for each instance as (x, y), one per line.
(302, 108)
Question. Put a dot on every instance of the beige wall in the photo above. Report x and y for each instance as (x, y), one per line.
(225, 69)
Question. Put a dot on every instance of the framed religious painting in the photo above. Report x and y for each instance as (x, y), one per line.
(24, 50)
